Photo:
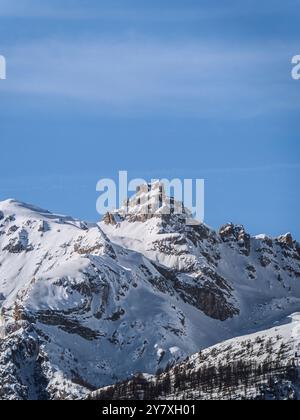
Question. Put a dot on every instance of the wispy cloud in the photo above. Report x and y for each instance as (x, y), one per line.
(124, 76)
(254, 169)
(152, 11)
(77, 9)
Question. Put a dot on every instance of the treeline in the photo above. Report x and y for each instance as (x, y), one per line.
(243, 380)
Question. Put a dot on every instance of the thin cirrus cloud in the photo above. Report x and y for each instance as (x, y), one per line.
(153, 11)
(77, 9)
(154, 76)
(31, 8)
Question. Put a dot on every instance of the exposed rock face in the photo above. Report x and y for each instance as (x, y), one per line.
(297, 246)
(18, 243)
(109, 219)
(287, 240)
(43, 226)
(236, 233)
(212, 302)
(22, 367)
(214, 298)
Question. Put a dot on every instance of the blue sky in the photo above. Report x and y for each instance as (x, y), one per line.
(198, 89)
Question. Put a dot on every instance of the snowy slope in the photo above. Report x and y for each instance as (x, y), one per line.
(264, 365)
(83, 305)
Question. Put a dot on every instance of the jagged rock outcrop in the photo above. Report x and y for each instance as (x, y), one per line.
(23, 376)
(287, 240)
(109, 219)
(236, 234)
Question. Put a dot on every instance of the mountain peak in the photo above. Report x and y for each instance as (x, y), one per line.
(151, 201)
(12, 204)
(286, 239)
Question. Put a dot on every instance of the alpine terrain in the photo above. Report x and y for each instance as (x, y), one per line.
(85, 306)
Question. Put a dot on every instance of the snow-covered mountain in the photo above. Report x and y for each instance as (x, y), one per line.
(84, 306)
